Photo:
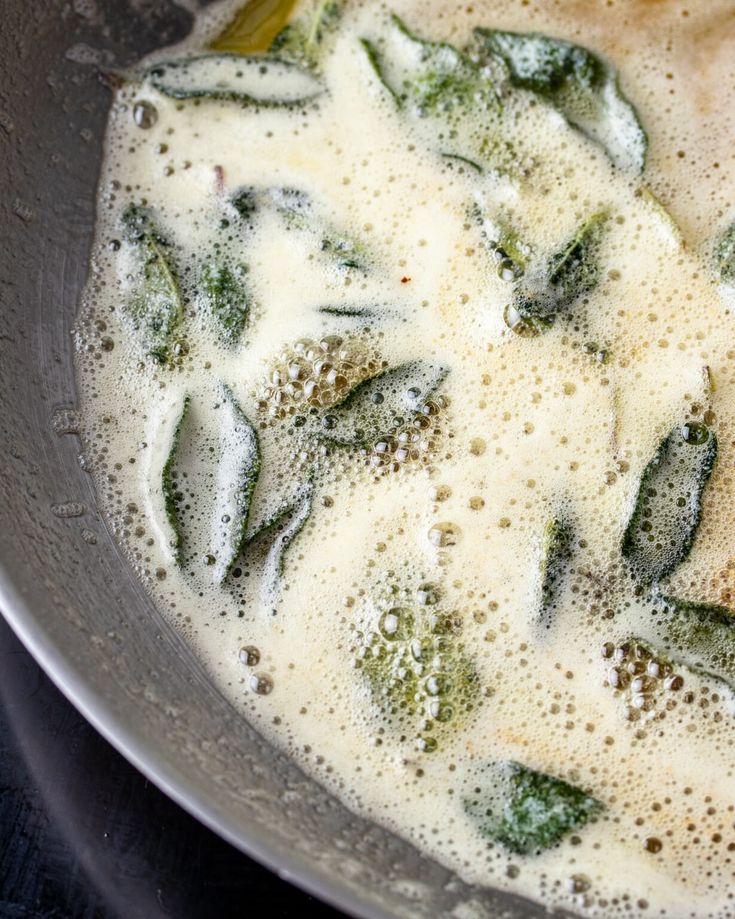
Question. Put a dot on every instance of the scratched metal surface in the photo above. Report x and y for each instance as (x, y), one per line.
(83, 835)
(63, 584)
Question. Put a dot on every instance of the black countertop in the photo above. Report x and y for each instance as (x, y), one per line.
(83, 835)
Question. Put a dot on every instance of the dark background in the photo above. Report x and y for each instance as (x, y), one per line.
(83, 835)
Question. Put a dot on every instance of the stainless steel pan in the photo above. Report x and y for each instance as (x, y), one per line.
(64, 586)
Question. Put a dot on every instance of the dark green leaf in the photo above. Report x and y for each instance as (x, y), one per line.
(348, 312)
(700, 636)
(555, 557)
(226, 298)
(302, 40)
(665, 517)
(569, 274)
(526, 811)
(434, 81)
(725, 254)
(578, 84)
(430, 78)
(236, 78)
(156, 309)
(237, 474)
(379, 405)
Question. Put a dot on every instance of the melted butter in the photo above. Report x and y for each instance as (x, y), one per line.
(531, 425)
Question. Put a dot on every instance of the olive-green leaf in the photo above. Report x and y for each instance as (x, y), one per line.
(665, 517)
(579, 84)
(548, 292)
(378, 406)
(237, 474)
(257, 81)
(526, 811)
(302, 41)
(226, 298)
(156, 309)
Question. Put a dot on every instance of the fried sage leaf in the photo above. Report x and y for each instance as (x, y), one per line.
(233, 77)
(570, 273)
(555, 556)
(302, 41)
(527, 811)
(725, 254)
(580, 85)
(434, 81)
(283, 530)
(158, 463)
(661, 529)
(156, 309)
(379, 405)
(226, 298)
(299, 213)
(699, 636)
(237, 475)
(416, 664)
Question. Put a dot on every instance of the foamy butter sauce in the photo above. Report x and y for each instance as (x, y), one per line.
(531, 425)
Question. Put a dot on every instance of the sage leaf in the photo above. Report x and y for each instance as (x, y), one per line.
(665, 517)
(434, 82)
(577, 83)
(226, 299)
(526, 811)
(555, 556)
(283, 530)
(378, 406)
(156, 309)
(725, 254)
(237, 474)
(232, 77)
(570, 273)
(299, 213)
(302, 41)
(699, 636)
(158, 463)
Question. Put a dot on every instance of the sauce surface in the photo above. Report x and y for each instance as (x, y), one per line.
(389, 392)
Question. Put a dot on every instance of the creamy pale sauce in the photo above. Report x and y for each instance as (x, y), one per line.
(522, 428)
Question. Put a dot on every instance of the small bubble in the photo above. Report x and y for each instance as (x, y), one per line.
(249, 655)
(261, 684)
(145, 115)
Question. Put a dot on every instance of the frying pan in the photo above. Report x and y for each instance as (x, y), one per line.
(64, 586)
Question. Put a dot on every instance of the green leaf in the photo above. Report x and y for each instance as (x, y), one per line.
(699, 636)
(226, 298)
(526, 811)
(237, 474)
(254, 26)
(555, 557)
(348, 312)
(299, 213)
(378, 406)
(233, 77)
(580, 85)
(662, 527)
(418, 672)
(430, 78)
(725, 254)
(436, 83)
(570, 273)
(302, 40)
(156, 310)
(158, 462)
(282, 531)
